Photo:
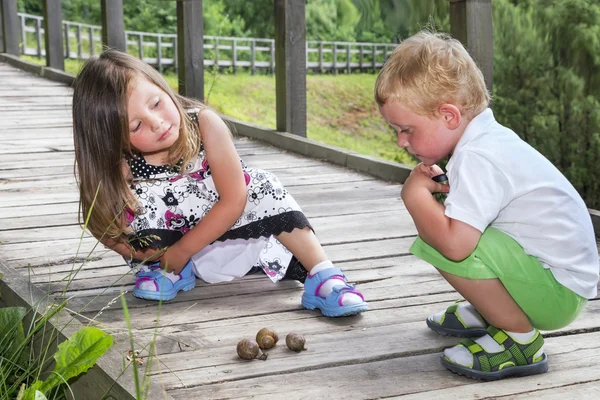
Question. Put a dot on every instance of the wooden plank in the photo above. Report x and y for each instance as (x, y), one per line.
(582, 391)
(336, 229)
(311, 194)
(17, 78)
(263, 161)
(226, 333)
(44, 215)
(37, 133)
(26, 91)
(24, 223)
(33, 99)
(412, 377)
(365, 230)
(379, 268)
(352, 346)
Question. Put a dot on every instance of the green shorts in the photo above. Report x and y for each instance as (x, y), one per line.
(548, 304)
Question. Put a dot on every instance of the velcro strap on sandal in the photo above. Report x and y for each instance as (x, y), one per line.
(347, 289)
(150, 274)
(452, 309)
(497, 334)
(313, 282)
(472, 346)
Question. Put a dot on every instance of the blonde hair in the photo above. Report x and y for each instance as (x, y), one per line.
(101, 138)
(429, 69)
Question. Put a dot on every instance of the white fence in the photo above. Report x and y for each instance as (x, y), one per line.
(160, 49)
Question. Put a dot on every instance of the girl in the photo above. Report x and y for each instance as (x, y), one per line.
(162, 182)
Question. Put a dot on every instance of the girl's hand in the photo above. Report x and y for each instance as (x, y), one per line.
(420, 177)
(174, 260)
(147, 255)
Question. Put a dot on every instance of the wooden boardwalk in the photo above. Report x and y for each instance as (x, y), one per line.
(387, 352)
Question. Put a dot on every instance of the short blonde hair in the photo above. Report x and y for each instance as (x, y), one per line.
(429, 69)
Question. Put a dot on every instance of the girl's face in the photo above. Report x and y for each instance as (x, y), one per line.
(154, 120)
(430, 140)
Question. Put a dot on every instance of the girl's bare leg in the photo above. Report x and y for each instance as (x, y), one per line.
(304, 245)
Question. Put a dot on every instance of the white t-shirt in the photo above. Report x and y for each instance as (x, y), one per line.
(497, 179)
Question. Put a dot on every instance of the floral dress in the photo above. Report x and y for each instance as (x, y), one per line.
(172, 203)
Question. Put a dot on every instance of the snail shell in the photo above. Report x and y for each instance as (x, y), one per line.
(295, 342)
(266, 338)
(249, 350)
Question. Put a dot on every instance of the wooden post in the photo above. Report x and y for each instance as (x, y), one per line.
(55, 56)
(140, 46)
(1, 29)
(361, 57)
(66, 30)
(272, 58)
(321, 69)
(253, 56)
(334, 59)
(190, 50)
(348, 59)
(290, 66)
(374, 61)
(91, 41)
(10, 25)
(471, 23)
(38, 37)
(159, 53)
(113, 24)
(233, 54)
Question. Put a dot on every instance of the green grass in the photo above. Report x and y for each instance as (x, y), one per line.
(340, 109)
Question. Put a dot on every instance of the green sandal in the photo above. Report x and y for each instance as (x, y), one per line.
(516, 360)
(452, 325)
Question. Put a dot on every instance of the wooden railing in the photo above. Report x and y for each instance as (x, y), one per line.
(289, 55)
(160, 49)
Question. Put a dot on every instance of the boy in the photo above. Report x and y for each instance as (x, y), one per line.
(513, 237)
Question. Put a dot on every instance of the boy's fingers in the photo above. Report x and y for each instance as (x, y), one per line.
(436, 170)
(441, 188)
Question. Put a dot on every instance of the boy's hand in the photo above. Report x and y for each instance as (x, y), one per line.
(421, 177)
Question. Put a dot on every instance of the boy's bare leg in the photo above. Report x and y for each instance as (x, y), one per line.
(492, 301)
(304, 245)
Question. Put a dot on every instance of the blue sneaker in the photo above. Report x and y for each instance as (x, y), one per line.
(331, 306)
(165, 288)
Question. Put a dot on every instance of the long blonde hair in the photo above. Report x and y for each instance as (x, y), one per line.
(101, 138)
(429, 69)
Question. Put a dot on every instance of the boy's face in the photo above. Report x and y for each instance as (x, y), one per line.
(430, 140)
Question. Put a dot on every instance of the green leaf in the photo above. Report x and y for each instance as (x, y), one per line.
(78, 354)
(32, 391)
(11, 330)
(39, 395)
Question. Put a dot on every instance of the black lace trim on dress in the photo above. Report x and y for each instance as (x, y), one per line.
(265, 227)
(294, 272)
(154, 238)
(268, 226)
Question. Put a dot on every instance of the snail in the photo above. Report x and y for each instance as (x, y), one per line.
(266, 338)
(249, 350)
(295, 342)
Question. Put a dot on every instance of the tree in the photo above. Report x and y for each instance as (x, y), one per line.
(546, 71)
